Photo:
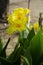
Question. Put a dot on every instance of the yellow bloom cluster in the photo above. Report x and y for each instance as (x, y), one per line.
(17, 20)
(35, 26)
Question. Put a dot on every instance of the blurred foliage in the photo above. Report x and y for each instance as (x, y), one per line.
(28, 51)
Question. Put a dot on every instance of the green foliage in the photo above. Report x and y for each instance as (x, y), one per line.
(25, 42)
(31, 35)
(29, 50)
(14, 57)
(28, 56)
(1, 44)
(36, 49)
(4, 61)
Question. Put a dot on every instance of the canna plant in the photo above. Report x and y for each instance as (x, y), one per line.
(28, 50)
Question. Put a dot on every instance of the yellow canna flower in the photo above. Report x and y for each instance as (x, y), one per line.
(11, 18)
(22, 11)
(16, 27)
(31, 26)
(27, 11)
(19, 14)
(19, 11)
(36, 26)
(17, 20)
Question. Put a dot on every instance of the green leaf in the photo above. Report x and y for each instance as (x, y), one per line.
(41, 63)
(26, 60)
(16, 47)
(18, 61)
(2, 54)
(36, 48)
(31, 34)
(3, 51)
(4, 61)
(14, 57)
(21, 37)
(25, 42)
(1, 44)
(28, 56)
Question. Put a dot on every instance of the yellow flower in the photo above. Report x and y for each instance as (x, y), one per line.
(11, 18)
(19, 14)
(16, 27)
(27, 11)
(36, 26)
(22, 11)
(17, 20)
(31, 26)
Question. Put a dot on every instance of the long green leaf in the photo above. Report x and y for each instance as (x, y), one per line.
(25, 42)
(31, 34)
(28, 56)
(3, 51)
(36, 48)
(4, 61)
(14, 57)
(26, 60)
(1, 44)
